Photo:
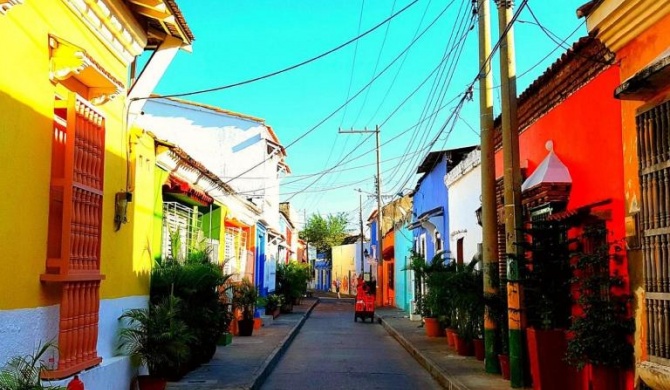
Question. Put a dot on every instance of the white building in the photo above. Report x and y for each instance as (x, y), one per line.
(464, 186)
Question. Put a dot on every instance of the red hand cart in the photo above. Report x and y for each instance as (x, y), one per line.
(365, 302)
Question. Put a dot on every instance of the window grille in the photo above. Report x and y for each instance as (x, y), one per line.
(74, 230)
(182, 230)
(235, 252)
(653, 132)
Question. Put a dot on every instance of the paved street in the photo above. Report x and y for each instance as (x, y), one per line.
(331, 351)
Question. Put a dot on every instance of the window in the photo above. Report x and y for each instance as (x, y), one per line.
(74, 229)
(653, 130)
(182, 230)
(235, 252)
(459, 251)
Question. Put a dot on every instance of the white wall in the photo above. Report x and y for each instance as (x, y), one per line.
(115, 372)
(464, 183)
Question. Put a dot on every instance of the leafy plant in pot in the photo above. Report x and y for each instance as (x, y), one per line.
(435, 305)
(245, 296)
(467, 296)
(548, 302)
(157, 338)
(599, 335)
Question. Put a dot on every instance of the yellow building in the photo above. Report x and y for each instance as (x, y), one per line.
(70, 264)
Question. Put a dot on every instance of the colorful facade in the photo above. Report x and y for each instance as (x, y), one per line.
(562, 115)
(79, 250)
(245, 153)
(637, 32)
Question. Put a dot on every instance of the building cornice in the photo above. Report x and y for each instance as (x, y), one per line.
(5, 5)
(113, 24)
(617, 22)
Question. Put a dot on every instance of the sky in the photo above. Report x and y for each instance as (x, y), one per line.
(409, 77)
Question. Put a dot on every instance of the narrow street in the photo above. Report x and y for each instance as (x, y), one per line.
(334, 352)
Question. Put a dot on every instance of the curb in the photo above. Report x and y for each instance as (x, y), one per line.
(433, 369)
(272, 360)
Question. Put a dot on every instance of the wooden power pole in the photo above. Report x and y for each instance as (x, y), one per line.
(489, 220)
(512, 193)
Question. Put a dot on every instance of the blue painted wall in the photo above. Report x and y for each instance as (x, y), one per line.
(403, 244)
(432, 193)
(259, 275)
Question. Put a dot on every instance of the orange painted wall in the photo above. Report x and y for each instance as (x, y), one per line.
(633, 57)
(637, 54)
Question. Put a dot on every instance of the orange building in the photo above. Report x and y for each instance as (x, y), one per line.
(638, 32)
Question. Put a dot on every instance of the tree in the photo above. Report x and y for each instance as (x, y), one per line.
(324, 233)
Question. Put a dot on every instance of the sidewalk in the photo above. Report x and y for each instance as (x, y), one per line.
(246, 362)
(449, 369)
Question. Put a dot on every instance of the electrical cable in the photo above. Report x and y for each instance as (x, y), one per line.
(284, 70)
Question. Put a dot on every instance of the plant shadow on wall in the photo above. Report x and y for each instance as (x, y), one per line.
(603, 325)
(23, 372)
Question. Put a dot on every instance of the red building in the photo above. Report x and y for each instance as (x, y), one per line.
(570, 149)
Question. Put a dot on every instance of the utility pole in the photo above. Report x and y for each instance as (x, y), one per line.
(360, 208)
(512, 198)
(489, 222)
(380, 246)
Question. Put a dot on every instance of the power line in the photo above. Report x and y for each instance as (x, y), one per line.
(298, 65)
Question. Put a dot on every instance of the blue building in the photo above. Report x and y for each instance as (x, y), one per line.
(430, 221)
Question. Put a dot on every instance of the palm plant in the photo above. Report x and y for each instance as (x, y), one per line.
(156, 337)
(23, 372)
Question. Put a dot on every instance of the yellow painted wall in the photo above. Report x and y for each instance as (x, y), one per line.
(343, 260)
(26, 103)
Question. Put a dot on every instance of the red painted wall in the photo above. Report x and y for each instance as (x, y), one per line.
(586, 131)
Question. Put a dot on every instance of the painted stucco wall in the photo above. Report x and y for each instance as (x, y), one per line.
(432, 193)
(402, 246)
(226, 144)
(29, 310)
(635, 56)
(464, 183)
(344, 265)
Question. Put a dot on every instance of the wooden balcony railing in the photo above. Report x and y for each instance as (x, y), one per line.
(75, 227)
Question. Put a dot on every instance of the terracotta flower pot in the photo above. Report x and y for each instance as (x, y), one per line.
(432, 326)
(605, 378)
(451, 337)
(479, 348)
(546, 349)
(504, 366)
(246, 327)
(148, 382)
(463, 346)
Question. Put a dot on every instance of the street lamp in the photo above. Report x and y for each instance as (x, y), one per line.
(478, 213)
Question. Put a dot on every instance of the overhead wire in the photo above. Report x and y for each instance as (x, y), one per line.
(289, 68)
(375, 78)
(344, 112)
(443, 79)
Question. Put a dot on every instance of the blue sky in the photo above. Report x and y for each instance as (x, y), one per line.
(237, 40)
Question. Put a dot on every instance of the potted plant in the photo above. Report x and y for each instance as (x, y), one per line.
(157, 338)
(599, 334)
(548, 302)
(273, 305)
(24, 372)
(467, 296)
(245, 297)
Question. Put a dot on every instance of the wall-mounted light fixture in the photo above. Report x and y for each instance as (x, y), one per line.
(121, 201)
